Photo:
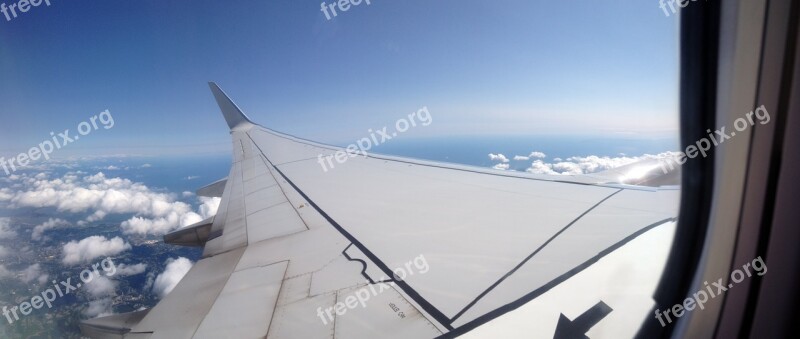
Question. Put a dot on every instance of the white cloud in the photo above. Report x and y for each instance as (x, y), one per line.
(93, 247)
(536, 154)
(124, 270)
(5, 229)
(540, 167)
(498, 157)
(38, 230)
(5, 193)
(154, 212)
(98, 308)
(151, 277)
(207, 209)
(147, 166)
(101, 287)
(161, 225)
(589, 164)
(172, 275)
(5, 273)
(501, 167)
(521, 158)
(187, 194)
(33, 272)
(192, 177)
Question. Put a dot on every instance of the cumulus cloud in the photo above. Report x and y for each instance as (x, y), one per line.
(124, 270)
(498, 157)
(589, 164)
(208, 207)
(154, 212)
(101, 287)
(52, 223)
(501, 167)
(151, 277)
(93, 247)
(98, 308)
(33, 272)
(5, 273)
(172, 275)
(540, 167)
(536, 154)
(96, 192)
(162, 225)
(502, 158)
(5, 193)
(5, 229)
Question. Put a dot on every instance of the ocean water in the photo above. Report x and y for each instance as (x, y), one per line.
(188, 173)
(175, 174)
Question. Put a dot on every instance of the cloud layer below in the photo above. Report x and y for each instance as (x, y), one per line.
(97, 195)
(573, 165)
(93, 247)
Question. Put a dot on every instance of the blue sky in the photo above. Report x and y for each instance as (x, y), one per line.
(483, 68)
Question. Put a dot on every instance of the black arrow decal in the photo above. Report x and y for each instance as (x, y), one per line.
(576, 329)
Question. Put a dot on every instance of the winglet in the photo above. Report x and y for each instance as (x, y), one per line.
(233, 115)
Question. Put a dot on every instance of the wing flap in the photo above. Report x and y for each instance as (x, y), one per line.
(113, 326)
(180, 313)
(195, 235)
(245, 306)
(213, 190)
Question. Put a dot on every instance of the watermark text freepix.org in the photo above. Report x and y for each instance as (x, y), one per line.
(702, 146)
(59, 141)
(344, 6)
(10, 11)
(672, 5)
(59, 290)
(361, 296)
(364, 144)
(701, 297)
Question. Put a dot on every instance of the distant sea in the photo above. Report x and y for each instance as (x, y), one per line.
(188, 173)
(475, 150)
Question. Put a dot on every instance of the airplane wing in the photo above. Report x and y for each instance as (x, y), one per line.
(379, 245)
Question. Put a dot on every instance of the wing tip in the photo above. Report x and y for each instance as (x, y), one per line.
(233, 115)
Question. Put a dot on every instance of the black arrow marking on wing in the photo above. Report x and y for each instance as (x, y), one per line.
(576, 329)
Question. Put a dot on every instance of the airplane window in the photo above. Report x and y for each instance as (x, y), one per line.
(361, 168)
